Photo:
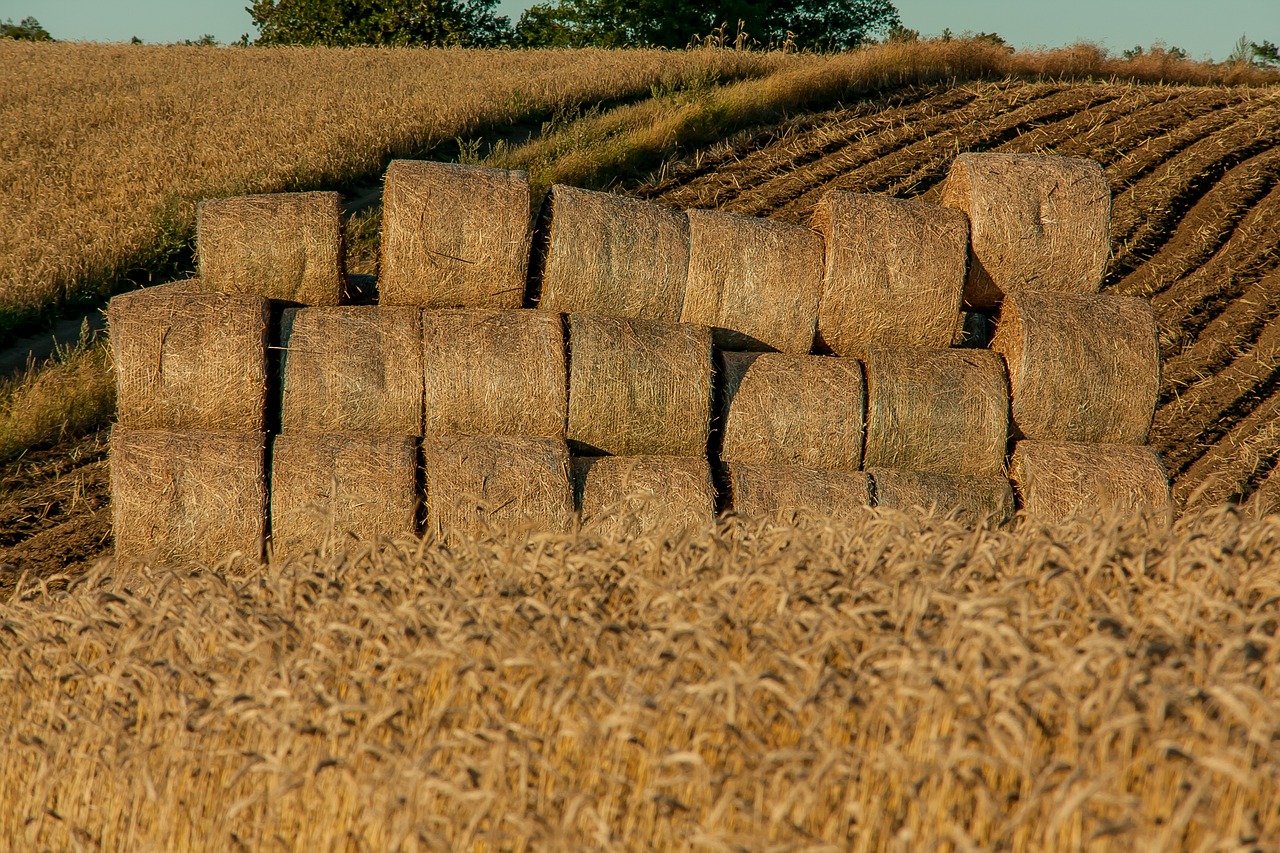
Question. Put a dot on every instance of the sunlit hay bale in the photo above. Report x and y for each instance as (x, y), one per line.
(634, 495)
(190, 361)
(1081, 368)
(805, 410)
(1037, 221)
(787, 491)
(971, 499)
(609, 254)
(940, 410)
(180, 496)
(495, 484)
(755, 282)
(352, 369)
(454, 236)
(894, 273)
(494, 373)
(285, 246)
(638, 387)
(1057, 481)
(340, 486)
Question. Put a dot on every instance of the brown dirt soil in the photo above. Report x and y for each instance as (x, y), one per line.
(1195, 175)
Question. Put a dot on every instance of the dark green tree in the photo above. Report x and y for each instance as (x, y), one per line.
(1266, 54)
(340, 23)
(28, 29)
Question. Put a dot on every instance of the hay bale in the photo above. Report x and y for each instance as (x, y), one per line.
(494, 373)
(638, 387)
(939, 410)
(1058, 481)
(341, 486)
(633, 495)
(497, 484)
(1037, 222)
(286, 246)
(454, 236)
(1081, 368)
(187, 497)
(608, 254)
(785, 492)
(970, 499)
(352, 369)
(189, 361)
(805, 410)
(894, 273)
(755, 282)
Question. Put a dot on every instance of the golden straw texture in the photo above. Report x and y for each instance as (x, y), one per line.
(805, 410)
(970, 499)
(454, 236)
(940, 410)
(1081, 368)
(1059, 481)
(1037, 221)
(894, 273)
(754, 281)
(638, 387)
(286, 246)
(494, 373)
(189, 361)
(787, 492)
(636, 495)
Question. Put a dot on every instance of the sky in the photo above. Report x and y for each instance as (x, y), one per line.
(1205, 30)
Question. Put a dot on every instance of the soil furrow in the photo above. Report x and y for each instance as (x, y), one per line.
(1237, 463)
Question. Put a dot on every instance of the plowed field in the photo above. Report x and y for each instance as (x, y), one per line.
(1195, 177)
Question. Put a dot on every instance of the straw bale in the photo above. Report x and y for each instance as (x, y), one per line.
(1057, 481)
(189, 361)
(494, 373)
(454, 236)
(940, 410)
(894, 273)
(638, 387)
(341, 486)
(609, 254)
(188, 497)
(1081, 368)
(633, 495)
(352, 369)
(754, 281)
(971, 499)
(286, 246)
(1037, 221)
(484, 484)
(787, 491)
(805, 410)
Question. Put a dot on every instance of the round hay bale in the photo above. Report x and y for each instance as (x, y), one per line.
(478, 485)
(638, 387)
(1081, 368)
(1037, 222)
(494, 373)
(608, 254)
(755, 282)
(633, 495)
(786, 492)
(454, 236)
(894, 273)
(334, 487)
(352, 369)
(805, 410)
(975, 500)
(286, 246)
(189, 361)
(188, 497)
(939, 410)
(1058, 481)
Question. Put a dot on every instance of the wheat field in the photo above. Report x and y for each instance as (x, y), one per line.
(888, 684)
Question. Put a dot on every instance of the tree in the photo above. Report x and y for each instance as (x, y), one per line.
(28, 29)
(1265, 55)
(383, 22)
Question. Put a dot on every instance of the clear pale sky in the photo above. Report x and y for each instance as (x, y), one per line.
(1204, 29)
